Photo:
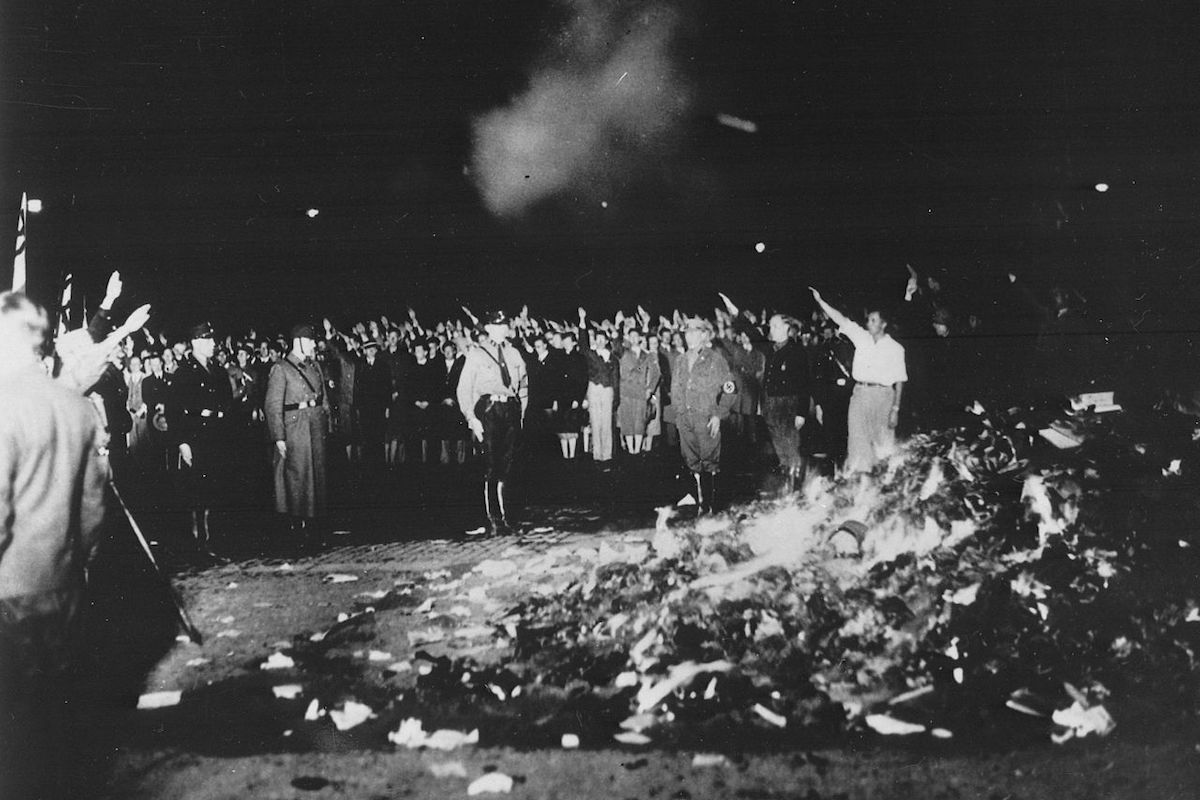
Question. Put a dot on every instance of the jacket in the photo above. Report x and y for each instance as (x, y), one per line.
(708, 388)
(53, 475)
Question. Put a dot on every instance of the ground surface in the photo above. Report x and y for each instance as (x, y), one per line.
(438, 592)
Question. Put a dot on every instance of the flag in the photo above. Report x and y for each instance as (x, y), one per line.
(64, 307)
(18, 281)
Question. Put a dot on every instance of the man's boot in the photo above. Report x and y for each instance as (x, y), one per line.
(502, 525)
(709, 479)
(489, 508)
(204, 540)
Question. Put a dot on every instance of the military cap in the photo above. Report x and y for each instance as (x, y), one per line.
(203, 330)
(497, 317)
(303, 330)
(697, 324)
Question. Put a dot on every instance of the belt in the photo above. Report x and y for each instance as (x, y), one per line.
(206, 412)
(300, 405)
(879, 385)
(501, 398)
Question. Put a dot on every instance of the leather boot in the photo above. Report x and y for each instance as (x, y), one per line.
(502, 526)
(709, 479)
(490, 508)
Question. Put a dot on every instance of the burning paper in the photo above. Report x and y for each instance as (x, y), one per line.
(681, 674)
(278, 661)
(890, 726)
(411, 734)
(1081, 721)
(350, 715)
(632, 737)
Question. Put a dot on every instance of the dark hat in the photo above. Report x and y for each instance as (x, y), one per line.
(202, 331)
(497, 317)
(369, 343)
(303, 330)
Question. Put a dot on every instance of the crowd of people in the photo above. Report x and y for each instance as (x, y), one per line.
(212, 410)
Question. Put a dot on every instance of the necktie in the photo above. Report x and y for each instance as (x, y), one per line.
(505, 378)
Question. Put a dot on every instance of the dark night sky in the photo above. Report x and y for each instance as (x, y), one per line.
(182, 141)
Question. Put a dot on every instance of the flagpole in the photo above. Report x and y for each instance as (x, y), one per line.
(18, 281)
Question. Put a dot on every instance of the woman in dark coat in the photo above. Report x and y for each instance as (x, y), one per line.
(572, 379)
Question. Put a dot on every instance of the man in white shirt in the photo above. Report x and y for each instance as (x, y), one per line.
(879, 375)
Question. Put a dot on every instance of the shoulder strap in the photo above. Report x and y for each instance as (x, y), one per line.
(303, 377)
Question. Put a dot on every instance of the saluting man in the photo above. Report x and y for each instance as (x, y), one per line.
(493, 392)
(297, 413)
(703, 392)
(879, 374)
(203, 403)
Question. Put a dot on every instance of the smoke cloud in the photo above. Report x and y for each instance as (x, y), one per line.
(605, 99)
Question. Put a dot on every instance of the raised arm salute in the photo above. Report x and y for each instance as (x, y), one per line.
(879, 374)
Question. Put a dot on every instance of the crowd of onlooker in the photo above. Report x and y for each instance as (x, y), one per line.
(391, 381)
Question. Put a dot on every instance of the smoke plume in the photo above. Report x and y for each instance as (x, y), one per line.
(605, 98)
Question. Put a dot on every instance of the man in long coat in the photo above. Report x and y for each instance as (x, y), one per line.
(297, 413)
(202, 405)
(703, 392)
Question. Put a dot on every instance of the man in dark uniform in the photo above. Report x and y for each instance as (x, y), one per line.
(787, 398)
(831, 359)
(703, 392)
(297, 412)
(493, 392)
(202, 405)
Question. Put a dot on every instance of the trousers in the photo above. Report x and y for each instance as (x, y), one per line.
(600, 415)
(869, 437)
(501, 427)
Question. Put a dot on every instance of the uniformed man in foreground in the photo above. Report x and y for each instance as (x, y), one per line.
(296, 408)
(202, 405)
(703, 392)
(787, 399)
(493, 392)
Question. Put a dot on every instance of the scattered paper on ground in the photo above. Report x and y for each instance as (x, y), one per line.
(278, 661)
(350, 715)
(491, 783)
